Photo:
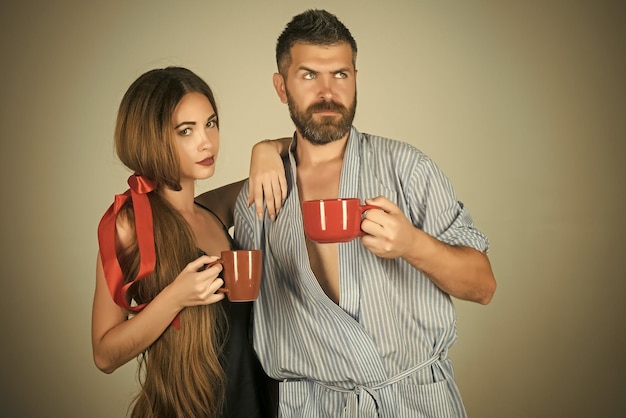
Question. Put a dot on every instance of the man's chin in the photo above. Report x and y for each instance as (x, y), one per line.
(323, 138)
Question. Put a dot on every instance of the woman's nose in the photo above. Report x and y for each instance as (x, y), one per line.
(205, 141)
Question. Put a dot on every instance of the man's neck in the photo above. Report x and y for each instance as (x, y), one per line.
(311, 155)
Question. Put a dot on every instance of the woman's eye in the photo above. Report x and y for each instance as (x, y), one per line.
(212, 122)
(185, 131)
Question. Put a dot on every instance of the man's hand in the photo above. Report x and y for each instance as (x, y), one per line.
(389, 233)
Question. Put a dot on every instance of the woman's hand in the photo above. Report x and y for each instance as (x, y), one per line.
(197, 284)
(267, 176)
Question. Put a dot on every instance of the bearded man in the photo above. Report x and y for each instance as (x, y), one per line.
(359, 328)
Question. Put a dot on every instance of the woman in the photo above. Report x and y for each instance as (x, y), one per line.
(154, 298)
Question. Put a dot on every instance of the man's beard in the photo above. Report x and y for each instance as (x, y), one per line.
(327, 129)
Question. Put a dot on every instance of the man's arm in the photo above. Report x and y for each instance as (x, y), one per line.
(460, 271)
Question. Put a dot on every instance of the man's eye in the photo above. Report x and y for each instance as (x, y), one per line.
(309, 76)
(341, 75)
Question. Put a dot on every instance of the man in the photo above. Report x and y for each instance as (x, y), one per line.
(358, 329)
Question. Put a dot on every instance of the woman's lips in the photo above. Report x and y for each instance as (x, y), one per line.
(207, 161)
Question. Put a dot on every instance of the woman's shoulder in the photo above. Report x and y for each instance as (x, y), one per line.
(124, 230)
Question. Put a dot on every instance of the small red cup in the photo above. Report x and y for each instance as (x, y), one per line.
(333, 220)
(241, 271)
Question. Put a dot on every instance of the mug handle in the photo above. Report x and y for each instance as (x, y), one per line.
(211, 264)
(364, 208)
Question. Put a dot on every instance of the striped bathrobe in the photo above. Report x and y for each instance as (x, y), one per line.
(382, 352)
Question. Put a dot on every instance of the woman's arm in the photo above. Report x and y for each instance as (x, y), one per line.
(267, 182)
(116, 339)
(221, 201)
(267, 176)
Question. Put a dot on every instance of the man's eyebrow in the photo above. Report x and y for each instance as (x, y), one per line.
(184, 123)
(339, 70)
(343, 70)
(307, 69)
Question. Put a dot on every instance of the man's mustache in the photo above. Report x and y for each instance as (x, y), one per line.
(327, 106)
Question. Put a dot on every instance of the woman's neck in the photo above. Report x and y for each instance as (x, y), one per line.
(182, 200)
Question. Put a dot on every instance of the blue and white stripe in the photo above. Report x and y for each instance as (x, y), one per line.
(351, 359)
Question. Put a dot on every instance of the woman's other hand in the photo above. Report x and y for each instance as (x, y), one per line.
(267, 176)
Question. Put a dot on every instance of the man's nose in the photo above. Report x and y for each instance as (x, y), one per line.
(326, 89)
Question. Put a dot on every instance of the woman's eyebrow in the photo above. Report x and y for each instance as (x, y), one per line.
(184, 123)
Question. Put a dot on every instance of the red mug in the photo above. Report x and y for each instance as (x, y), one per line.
(241, 272)
(333, 220)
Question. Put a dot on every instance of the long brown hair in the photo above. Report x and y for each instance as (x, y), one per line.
(180, 373)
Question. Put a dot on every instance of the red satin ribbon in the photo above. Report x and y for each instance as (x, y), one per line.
(139, 188)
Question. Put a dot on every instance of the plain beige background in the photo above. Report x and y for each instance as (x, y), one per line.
(522, 104)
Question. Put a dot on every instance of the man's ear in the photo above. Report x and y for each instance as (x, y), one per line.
(279, 86)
